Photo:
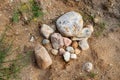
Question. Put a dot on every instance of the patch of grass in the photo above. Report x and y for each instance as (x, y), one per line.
(16, 16)
(92, 75)
(9, 69)
(99, 28)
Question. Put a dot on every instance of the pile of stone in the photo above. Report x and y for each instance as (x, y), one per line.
(69, 38)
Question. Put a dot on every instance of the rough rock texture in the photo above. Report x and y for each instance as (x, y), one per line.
(46, 30)
(67, 41)
(66, 56)
(83, 44)
(88, 66)
(57, 40)
(43, 58)
(70, 24)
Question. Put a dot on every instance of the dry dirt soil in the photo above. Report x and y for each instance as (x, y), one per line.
(104, 50)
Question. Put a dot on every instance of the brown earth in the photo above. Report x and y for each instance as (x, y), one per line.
(104, 50)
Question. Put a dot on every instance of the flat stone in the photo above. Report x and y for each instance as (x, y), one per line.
(75, 44)
(54, 51)
(57, 40)
(45, 41)
(46, 30)
(73, 56)
(43, 58)
(70, 24)
(83, 44)
(70, 49)
(61, 51)
(67, 41)
(88, 66)
(66, 56)
(77, 51)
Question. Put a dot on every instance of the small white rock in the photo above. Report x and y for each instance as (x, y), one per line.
(45, 41)
(66, 56)
(70, 49)
(32, 39)
(88, 66)
(83, 44)
(46, 30)
(54, 51)
(73, 56)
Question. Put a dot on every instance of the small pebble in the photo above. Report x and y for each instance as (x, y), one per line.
(75, 44)
(77, 51)
(70, 49)
(83, 44)
(96, 20)
(88, 66)
(45, 41)
(61, 51)
(66, 56)
(73, 56)
(54, 51)
(67, 41)
(32, 39)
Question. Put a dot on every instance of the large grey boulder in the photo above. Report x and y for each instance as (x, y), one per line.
(70, 24)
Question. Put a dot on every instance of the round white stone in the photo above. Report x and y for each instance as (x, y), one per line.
(66, 56)
(54, 51)
(70, 24)
(70, 49)
(88, 66)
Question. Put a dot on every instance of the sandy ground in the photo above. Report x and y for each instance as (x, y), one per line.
(104, 50)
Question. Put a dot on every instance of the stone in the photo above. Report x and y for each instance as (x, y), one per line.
(77, 51)
(88, 66)
(43, 58)
(57, 40)
(45, 41)
(70, 24)
(66, 56)
(54, 51)
(61, 51)
(46, 30)
(73, 56)
(75, 44)
(32, 39)
(83, 44)
(77, 38)
(67, 41)
(70, 49)
(90, 26)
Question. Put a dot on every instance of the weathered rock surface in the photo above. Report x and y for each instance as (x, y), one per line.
(73, 56)
(83, 44)
(43, 58)
(70, 24)
(66, 56)
(67, 41)
(88, 66)
(46, 30)
(57, 40)
(54, 51)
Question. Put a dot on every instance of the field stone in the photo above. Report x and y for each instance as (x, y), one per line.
(46, 30)
(66, 56)
(45, 41)
(61, 51)
(54, 51)
(83, 44)
(43, 58)
(75, 44)
(67, 41)
(73, 56)
(57, 40)
(70, 24)
(88, 66)
(70, 49)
